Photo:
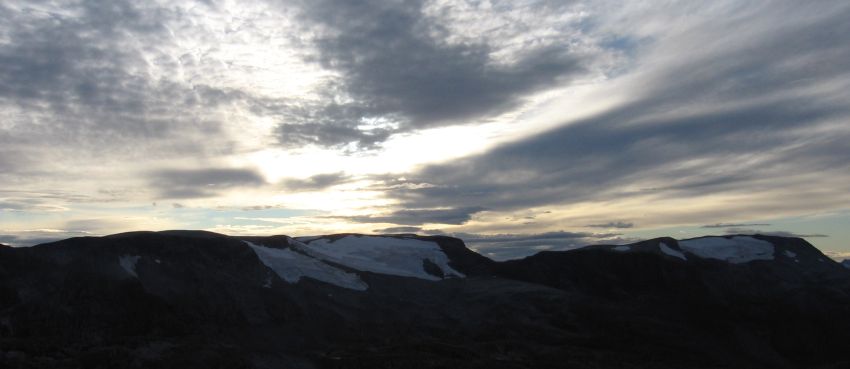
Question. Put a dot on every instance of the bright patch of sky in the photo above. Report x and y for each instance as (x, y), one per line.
(481, 118)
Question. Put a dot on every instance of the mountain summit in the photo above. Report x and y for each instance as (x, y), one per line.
(199, 299)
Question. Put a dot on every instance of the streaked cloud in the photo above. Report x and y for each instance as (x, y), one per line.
(401, 69)
(208, 182)
(316, 182)
(398, 230)
(612, 225)
(419, 216)
(772, 233)
(729, 225)
(512, 246)
(514, 119)
(724, 119)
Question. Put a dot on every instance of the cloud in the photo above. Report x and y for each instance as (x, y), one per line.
(772, 233)
(257, 207)
(612, 225)
(533, 239)
(30, 204)
(402, 69)
(38, 236)
(417, 217)
(760, 119)
(392, 230)
(316, 182)
(198, 183)
(512, 246)
(792, 234)
(73, 73)
(732, 225)
(838, 255)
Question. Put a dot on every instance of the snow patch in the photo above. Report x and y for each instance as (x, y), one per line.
(670, 251)
(386, 255)
(622, 248)
(291, 266)
(846, 263)
(790, 254)
(128, 262)
(736, 250)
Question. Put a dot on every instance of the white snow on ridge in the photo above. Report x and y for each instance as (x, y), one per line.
(128, 262)
(386, 255)
(291, 266)
(736, 250)
(670, 251)
(790, 254)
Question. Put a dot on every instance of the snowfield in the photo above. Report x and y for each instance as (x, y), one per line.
(670, 251)
(291, 266)
(385, 255)
(736, 250)
(128, 262)
(320, 258)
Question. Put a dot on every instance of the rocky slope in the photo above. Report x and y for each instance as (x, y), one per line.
(199, 299)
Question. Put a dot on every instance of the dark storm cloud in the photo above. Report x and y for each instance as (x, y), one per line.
(748, 120)
(196, 183)
(612, 225)
(396, 65)
(316, 182)
(415, 217)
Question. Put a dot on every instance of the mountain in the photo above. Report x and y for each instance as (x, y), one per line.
(180, 299)
(846, 263)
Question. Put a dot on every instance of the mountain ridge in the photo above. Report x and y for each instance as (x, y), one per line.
(194, 298)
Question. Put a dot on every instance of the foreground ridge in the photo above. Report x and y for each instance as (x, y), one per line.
(194, 298)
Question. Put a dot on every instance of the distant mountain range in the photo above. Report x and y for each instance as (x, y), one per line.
(186, 299)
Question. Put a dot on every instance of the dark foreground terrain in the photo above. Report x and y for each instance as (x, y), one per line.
(183, 299)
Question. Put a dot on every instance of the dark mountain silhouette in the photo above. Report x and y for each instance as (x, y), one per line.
(185, 299)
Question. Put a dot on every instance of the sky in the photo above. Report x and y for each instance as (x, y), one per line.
(517, 125)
